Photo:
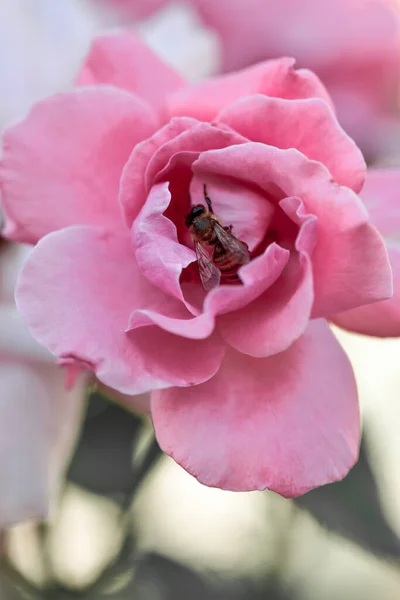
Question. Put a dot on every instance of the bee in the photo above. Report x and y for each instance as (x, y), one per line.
(219, 253)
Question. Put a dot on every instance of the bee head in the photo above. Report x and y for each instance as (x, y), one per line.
(196, 211)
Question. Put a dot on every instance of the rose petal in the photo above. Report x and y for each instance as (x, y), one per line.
(62, 164)
(159, 254)
(133, 191)
(288, 423)
(151, 160)
(381, 197)
(200, 138)
(257, 277)
(178, 360)
(39, 422)
(89, 285)
(196, 328)
(308, 125)
(124, 61)
(381, 319)
(280, 316)
(275, 78)
(350, 263)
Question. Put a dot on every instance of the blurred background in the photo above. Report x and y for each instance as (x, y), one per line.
(126, 521)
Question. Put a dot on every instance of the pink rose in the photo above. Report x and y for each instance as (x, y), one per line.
(250, 389)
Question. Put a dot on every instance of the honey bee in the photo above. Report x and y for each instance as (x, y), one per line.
(219, 253)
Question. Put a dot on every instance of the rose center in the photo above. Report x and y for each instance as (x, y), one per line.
(219, 253)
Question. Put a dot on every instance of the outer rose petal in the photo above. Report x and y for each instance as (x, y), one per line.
(288, 423)
(62, 165)
(381, 319)
(90, 284)
(39, 421)
(307, 125)
(275, 78)
(350, 263)
(381, 197)
(124, 61)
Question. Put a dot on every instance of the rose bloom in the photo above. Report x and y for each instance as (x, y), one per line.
(353, 46)
(249, 387)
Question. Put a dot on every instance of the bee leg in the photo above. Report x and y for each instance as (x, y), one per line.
(228, 228)
(207, 198)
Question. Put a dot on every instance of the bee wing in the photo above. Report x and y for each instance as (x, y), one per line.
(209, 274)
(231, 243)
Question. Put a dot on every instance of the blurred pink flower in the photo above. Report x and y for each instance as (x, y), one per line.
(41, 48)
(38, 418)
(247, 379)
(353, 46)
(137, 8)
